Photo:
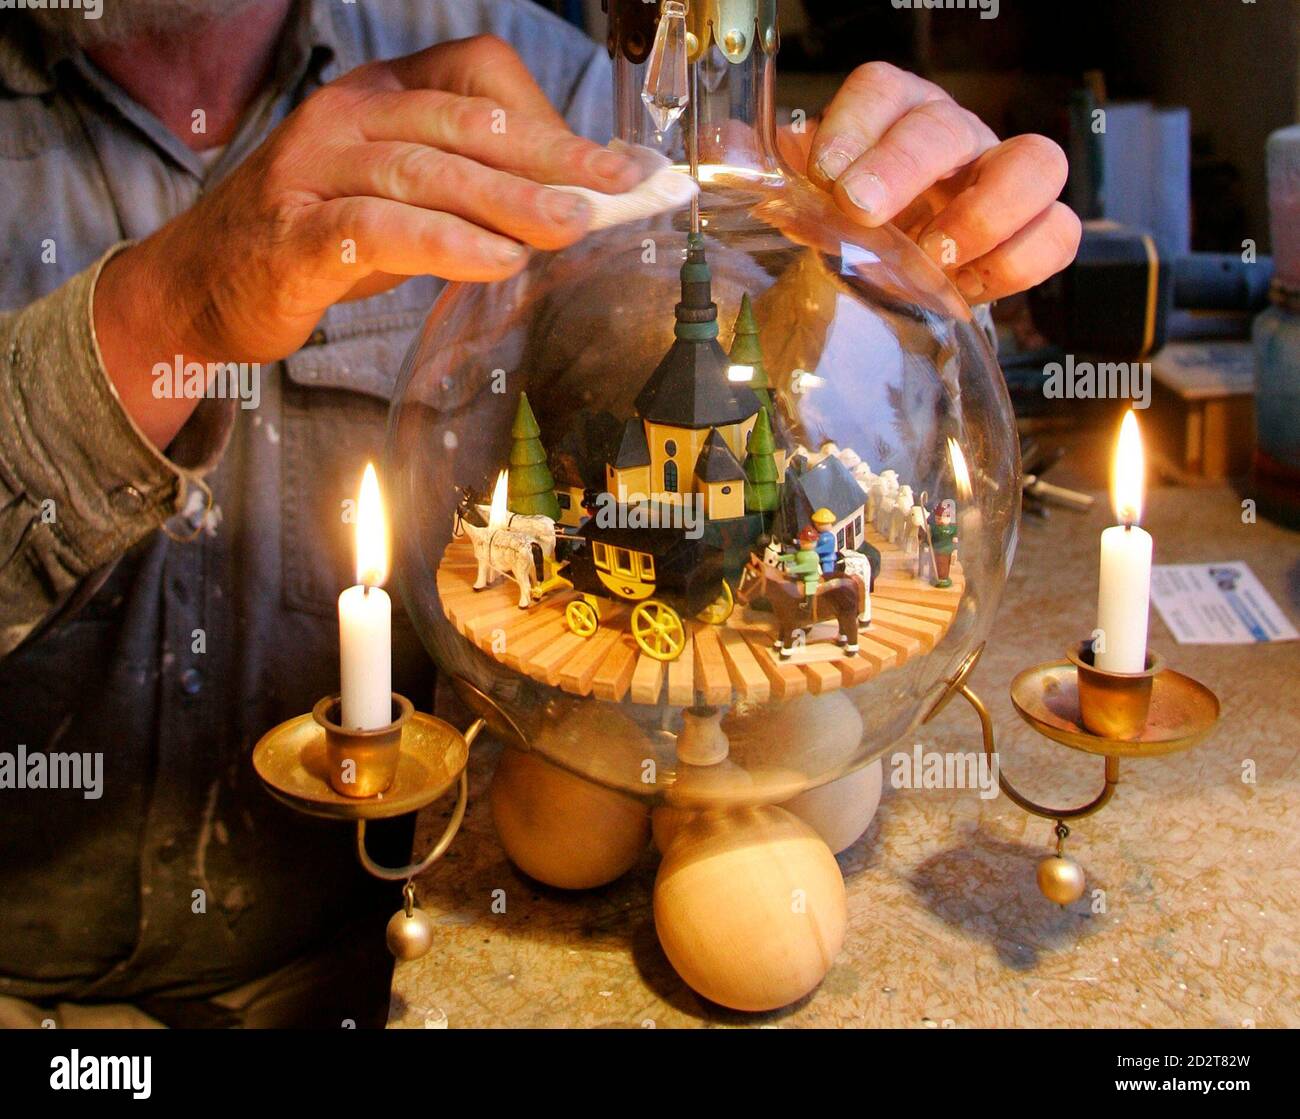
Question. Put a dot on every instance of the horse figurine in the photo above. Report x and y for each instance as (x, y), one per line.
(842, 597)
(541, 528)
(855, 563)
(508, 549)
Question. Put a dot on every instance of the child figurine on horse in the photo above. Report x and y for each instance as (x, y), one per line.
(800, 596)
(806, 564)
(823, 522)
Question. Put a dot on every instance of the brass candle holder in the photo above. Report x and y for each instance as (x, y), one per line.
(1114, 704)
(361, 763)
(1113, 714)
(316, 766)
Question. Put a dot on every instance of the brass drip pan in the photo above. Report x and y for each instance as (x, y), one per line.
(1183, 712)
(292, 763)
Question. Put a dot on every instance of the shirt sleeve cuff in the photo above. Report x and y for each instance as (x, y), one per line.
(79, 482)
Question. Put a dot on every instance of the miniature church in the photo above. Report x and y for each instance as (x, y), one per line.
(694, 415)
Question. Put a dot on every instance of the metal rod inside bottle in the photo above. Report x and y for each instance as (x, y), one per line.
(693, 143)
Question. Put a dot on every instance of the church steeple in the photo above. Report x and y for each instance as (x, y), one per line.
(690, 387)
(697, 314)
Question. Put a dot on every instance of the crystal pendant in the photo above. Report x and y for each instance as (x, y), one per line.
(665, 91)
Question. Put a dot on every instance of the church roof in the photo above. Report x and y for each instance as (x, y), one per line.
(632, 448)
(716, 462)
(689, 387)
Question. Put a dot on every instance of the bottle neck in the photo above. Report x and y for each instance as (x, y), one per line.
(734, 109)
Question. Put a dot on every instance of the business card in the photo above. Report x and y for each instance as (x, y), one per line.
(1217, 604)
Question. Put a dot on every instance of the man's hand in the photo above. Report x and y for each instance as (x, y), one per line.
(895, 147)
(429, 164)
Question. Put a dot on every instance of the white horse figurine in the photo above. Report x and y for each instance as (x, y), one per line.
(502, 551)
(855, 563)
(538, 526)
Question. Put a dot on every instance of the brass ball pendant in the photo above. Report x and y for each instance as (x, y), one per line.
(1060, 879)
(410, 936)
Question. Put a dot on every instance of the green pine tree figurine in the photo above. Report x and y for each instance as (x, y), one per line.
(531, 488)
(746, 350)
(762, 483)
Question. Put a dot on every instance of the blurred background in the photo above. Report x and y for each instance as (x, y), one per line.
(1166, 108)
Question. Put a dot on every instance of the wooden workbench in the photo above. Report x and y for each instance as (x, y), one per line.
(1200, 869)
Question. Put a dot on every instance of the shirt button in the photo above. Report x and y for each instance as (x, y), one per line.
(126, 499)
(191, 681)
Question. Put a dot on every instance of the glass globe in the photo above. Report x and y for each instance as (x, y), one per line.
(660, 416)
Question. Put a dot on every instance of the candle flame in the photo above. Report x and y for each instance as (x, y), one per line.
(499, 514)
(1128, 472)
(372, 532)
(960, 472)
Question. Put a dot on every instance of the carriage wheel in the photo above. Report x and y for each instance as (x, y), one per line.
(581, 617)
(658, 630)
(719, 610)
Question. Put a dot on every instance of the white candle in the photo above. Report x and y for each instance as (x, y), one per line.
(1124, 590)
(365, 620)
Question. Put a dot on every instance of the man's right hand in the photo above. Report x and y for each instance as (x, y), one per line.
(428, 164)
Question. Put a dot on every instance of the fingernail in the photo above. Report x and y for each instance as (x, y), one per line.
(833, 162)
(610, 165)
(565, 208)
(940, 248)
(866, 192)
(970, 284)
(511, 252)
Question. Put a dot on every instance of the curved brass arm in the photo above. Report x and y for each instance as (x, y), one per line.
(1108, 790)
(404, 873)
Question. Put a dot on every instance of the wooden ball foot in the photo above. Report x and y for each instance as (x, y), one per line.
(840, 811)
(561, 829)
(750, 907)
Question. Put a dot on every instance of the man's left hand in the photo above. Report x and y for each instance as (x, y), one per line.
(894, 147)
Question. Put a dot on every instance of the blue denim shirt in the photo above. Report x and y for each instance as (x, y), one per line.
(171, 658)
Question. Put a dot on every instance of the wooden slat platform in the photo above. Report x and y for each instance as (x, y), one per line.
(720, 664)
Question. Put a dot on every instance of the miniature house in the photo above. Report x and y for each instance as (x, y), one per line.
(694, 415)
(827, 485)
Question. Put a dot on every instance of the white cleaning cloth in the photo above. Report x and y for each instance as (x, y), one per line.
(662, 188)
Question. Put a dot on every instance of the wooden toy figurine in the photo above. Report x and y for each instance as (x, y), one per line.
(881, 509)
(943, 535)
(840, 596)
(901, 518)
(859, 564)
(823, 522)
(806, 564)
(503, 548)
(917, 537)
